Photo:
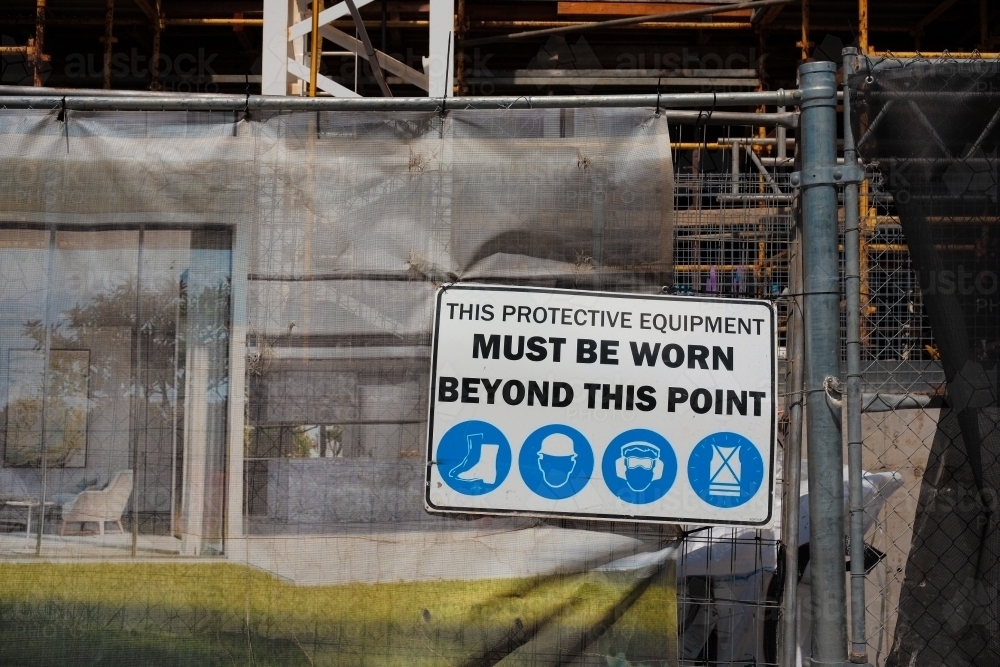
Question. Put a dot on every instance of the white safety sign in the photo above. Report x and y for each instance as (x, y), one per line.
(597, 405)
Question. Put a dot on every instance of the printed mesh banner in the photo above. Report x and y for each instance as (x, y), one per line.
(214, 366)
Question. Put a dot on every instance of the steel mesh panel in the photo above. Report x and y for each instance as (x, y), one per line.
(929, 349)
(733, 234)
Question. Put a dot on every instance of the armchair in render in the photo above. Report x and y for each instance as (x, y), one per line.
(107, 504)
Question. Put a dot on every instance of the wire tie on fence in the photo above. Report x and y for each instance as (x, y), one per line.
(834, 392)
(526, 99)
(804, 393)
(246, 102)
(63, 117)
(793, 294)
(447, 73)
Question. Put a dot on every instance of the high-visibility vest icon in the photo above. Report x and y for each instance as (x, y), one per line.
(726, 472)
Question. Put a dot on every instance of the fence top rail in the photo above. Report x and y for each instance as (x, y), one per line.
(881, 63)
(907, 59)
(24, 97)
(787, 119)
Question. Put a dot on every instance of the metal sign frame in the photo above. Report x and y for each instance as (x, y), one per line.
(638, 517)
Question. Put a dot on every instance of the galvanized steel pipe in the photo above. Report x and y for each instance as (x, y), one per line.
(179, 101)
(794, 354)
(821, 286)
(852, 285)
(236, 103)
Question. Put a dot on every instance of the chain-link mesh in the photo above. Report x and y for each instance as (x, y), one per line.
(927, 130)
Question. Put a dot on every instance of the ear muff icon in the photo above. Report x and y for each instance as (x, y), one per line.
(639, 455)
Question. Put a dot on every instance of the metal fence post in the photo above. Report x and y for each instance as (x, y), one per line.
(793, 448)
(821, 287)
(852, 285)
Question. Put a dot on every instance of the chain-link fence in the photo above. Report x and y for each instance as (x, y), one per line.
(927, 132)
(331, 488)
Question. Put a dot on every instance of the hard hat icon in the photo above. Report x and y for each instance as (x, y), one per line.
(557, 459)
(557, 444)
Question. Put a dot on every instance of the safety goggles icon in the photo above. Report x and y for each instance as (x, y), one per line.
(639, 462)
(643, 455)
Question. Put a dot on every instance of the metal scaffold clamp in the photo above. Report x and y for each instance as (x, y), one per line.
(839, 175)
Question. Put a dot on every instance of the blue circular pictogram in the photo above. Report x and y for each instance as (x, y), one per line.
(556, 461)
(725, 469)
(639, 466)
(473, 457)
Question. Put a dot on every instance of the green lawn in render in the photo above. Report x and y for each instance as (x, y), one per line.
(181, 614)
